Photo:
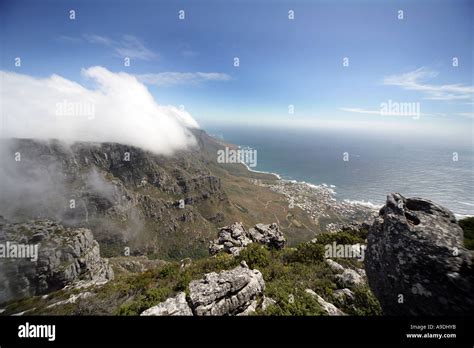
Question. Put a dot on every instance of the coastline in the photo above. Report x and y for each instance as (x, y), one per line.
(260, 172)
(331, 190)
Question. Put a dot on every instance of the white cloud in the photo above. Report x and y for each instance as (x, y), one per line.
(128, 46)
(119, 109)
(180, 78)
(414, 81)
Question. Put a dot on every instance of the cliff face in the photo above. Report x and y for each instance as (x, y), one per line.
(416, 262)
(57, 256)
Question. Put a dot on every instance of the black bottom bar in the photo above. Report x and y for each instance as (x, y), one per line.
(291, 331)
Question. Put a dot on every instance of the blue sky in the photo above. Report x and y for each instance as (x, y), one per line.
(299, 62)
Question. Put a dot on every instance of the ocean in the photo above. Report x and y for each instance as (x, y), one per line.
(374, 165)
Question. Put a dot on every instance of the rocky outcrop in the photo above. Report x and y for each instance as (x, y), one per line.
(173, 306)
(64, 256)
(238, 291)
(268, 235)
(226, 293)
(415, 260)
(232, 239)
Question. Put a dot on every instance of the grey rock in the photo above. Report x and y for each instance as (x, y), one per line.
(343, 295)
(268, 235)
(226, 293)
(329, 308)
(65, 256)
(231, 239)
(175, 306)
(267, 302)
(349, 278)
(250, 309)
(185, 263)
(415, 252)
(336, 267)
(361, 272)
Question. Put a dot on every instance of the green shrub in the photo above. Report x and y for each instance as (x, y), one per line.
(257, 256)
(169, 271)
(365, 302)
(183, 281)
(291, 301)
(217, 263)
(339, 237)
(309, 253)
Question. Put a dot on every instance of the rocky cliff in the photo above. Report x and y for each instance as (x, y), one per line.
(63, 257)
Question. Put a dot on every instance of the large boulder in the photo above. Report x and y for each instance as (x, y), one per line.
(415, 260)
(64, 256)
(227, 293)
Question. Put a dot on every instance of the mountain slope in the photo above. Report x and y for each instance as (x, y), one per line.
(130, 198)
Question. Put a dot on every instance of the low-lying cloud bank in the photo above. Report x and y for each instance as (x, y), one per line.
(119, 109)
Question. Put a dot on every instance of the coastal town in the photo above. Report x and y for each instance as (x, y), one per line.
(319, 203)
